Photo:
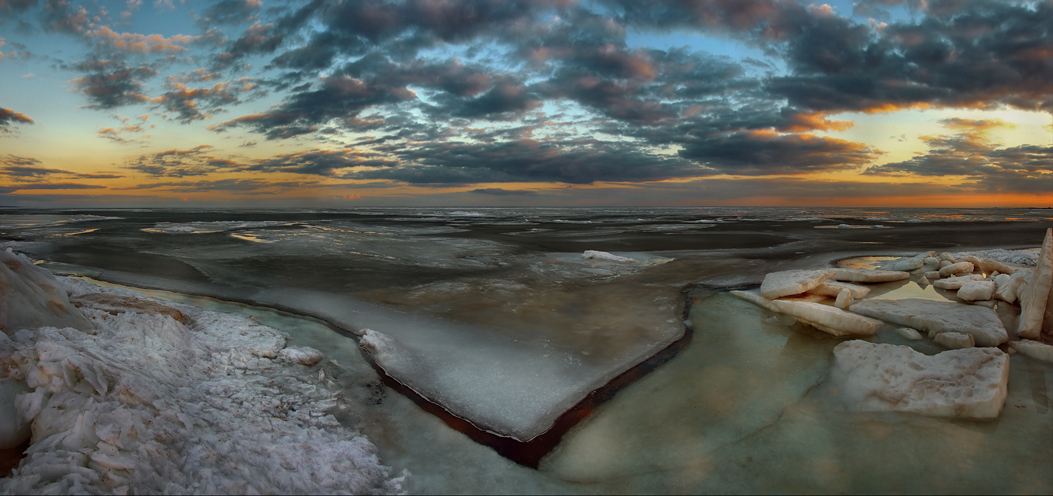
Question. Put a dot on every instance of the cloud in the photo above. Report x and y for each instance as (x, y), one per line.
(986, 167)
(112, 83)
(9, 117)
(59, 15)
(22, 169)
(58, 186)
(230, 12)
(241, 186)
(330, 163)
(767, 152)
(181, 163)
(113, 134)
(575, 162)
(139, 43)
(505, 192)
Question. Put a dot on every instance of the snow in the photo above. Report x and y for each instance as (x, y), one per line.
(148, 404)
(602, 255)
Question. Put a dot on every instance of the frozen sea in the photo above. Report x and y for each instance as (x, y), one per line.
(488, 354)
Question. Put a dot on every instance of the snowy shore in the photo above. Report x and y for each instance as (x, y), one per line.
(151, 396)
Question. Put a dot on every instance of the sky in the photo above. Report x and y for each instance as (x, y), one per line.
(338, 104)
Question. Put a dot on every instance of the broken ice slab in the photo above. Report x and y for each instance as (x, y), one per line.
(506, 384)
(1033, 349)
(938, 316)
(957, 282)
(977, 290)
(829, 319)
(967, 383)
(791, 282)
(869, 275)
(1034, 299)
(833, 288)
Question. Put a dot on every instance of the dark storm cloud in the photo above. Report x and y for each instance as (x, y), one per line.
(579, 162)
(61, 16)
(376, 80)
(990, 53)
(9, 117)
(763, 153)
(111, 83)
(321, 162)
(243, 186)
(181, 163)
(9, 7)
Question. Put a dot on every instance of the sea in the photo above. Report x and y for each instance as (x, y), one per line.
(580, 350)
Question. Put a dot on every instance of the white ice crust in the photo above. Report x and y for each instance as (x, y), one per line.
(970, 383)
(938, 316)
(150, 405)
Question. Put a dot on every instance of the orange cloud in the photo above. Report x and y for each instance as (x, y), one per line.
(134, 42)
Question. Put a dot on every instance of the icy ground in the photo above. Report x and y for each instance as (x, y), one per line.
(148, 404)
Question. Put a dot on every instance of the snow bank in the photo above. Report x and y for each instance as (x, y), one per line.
(149, 404)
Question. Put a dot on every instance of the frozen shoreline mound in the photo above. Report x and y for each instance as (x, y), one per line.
(150, 404)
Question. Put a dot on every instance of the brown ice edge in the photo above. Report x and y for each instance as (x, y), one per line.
(527, 453)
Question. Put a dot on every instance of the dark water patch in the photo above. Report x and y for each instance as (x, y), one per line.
(11, 457)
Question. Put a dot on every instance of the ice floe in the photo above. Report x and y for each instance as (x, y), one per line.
(791, 282)
(829, 319)
(967, 383)
(938, 316)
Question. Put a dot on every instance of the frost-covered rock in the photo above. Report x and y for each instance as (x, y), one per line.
(791, 282)
(869, 275)
(954, 340)
(957, 268)
(30, 297)
(1033, 349)
(828, 319)
(938, 316)
(956, 282)
(1033, 300)
(977, 290)
(967, 383)
(834, 288)
(602, 255)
